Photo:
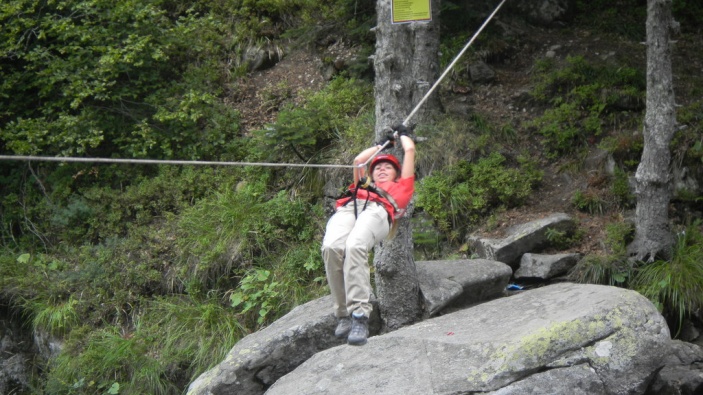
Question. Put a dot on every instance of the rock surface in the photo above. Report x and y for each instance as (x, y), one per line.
(588, 338)
(544, 267)
(521, 239)
(460, 283)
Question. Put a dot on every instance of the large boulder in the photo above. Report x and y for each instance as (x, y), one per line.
(460, 283)
(585, 338)
(520, 239)
(544, 267)
(262, 357)
(683, 373)
(259, 359)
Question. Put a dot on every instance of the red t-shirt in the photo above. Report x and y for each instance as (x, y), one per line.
(401, 190)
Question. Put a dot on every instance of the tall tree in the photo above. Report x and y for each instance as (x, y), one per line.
(653, 177)
(406, 64)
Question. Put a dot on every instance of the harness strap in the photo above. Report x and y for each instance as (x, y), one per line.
(366, 183)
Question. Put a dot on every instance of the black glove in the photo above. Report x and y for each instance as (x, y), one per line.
(388, 136)
(402, 130)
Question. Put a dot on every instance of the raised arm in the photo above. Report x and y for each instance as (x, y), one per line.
(360, 171)
(408, 169)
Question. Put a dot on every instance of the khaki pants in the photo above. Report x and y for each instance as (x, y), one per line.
(345, 250)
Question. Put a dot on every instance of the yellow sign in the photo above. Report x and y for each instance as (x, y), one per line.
(405, 11)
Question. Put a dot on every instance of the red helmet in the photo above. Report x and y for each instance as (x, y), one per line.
(386, 158)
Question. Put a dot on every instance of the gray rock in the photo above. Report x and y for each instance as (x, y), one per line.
(258, 360)
(481, 72)
(546, 12)
(541, 266)
(460, 283)
(573, 380)
(565, 331)
(261, 58)
(683, 373)
(16, 353)
(521, 239)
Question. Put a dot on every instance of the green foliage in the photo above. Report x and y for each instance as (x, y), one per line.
(562, 240)
(610, 269)
(588, 201)
(460, 195)
(248, 229)
(689, 13)
(607, 194)
(602, 269)
(620, 189)
(581, 96)
(305, 130)
(687, 143)
(56, 319)
(257, 291)
(173, 336)
(93, 362)
(618, 236)
(196, 334)
(676, 287)
(111, 77)
(626, 148)
(624, 17)
(73, 203)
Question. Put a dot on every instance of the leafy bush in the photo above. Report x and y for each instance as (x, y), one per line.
(111, 78)
(626, 148)
(581, 95)
(459, 195)
(687, 145)
(305, 130)
(612, 268)
(562, 240)
(623, 17)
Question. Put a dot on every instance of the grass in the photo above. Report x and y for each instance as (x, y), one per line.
(55, 318)
(676, 287)
(172, 340)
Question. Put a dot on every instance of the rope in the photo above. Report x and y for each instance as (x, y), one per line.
(451, 65)
(164, 162)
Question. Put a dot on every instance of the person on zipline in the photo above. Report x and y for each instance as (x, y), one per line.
(362, 219)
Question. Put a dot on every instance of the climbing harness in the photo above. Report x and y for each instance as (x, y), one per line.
(370, 186)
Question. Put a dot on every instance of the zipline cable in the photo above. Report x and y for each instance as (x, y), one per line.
(162, 162)
(217, 163)
(451, 65)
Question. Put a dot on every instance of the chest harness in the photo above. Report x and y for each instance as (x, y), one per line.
(370, 186)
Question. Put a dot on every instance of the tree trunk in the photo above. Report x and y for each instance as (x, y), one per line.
(653, 177)
(406, 64)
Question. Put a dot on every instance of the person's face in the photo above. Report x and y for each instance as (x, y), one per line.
(384, 171)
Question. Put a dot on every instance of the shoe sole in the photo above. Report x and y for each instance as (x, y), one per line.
(357, 343)
(342, 335)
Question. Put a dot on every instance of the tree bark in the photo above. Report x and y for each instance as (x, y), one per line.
(406, 65)
(653, 236)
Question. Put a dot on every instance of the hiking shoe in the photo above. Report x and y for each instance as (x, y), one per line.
(359, 330)
(344, 325)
